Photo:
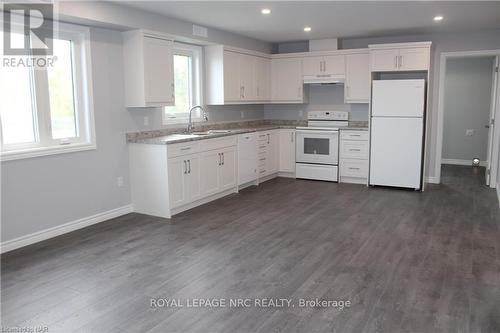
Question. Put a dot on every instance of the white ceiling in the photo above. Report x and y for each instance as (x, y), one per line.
(330, 19)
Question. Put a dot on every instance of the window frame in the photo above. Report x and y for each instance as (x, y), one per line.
(196, 52)
(83, 101)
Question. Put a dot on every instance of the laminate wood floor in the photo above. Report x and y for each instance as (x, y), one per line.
(407, 262)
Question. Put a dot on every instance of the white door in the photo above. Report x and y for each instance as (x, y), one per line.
(287, 80)
(396, 152)
(177, 174)
(209, 174)
(287, 150)
(334, 65)
(491, 125)
(398, 98)
(414, 59)
(193, 188)
(247, 158)
(158, 70)
(247, 66)
(384, 60)
(312, 66)
(227, 169)
(232, 85)
(357, 84)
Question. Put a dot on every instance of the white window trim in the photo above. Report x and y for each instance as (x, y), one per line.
(84, 101)
(197, 53)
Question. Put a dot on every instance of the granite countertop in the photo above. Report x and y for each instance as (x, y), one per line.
(176, 135)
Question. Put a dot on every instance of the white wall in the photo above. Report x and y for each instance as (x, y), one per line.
(449, 42)
(467, 101)
(329, 97)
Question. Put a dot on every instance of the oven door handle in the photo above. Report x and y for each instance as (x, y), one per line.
(318, 131)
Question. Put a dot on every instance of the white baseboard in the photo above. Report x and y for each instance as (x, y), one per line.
(498, 194)
(432, 180)
(63, 229)
(461, 162)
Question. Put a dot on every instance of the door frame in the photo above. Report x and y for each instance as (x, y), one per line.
(440, 114)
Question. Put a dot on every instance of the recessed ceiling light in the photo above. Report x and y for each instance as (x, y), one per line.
(438, 18)
(266, 11)
(307, 29)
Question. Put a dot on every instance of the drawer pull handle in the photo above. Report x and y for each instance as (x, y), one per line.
(350, 168)
(186, 148)
(354, 134)
(355, 149)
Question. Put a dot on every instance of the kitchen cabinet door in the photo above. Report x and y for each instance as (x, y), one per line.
(247, 66)
(286, 150)
(209, 174)
(385, 60)
(287, 84)
(177, 174)
(312, 66)
(357, 84)
(232, 84)
(158, 71)
(414, 59)
(192, 183)
(227, 169)
(334, 65)
(262, 76)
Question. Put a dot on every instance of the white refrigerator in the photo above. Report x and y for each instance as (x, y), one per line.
(396, 133)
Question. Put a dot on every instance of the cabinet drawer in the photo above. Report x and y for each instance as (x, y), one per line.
(180, 149)
(218, 143)
(354, 168)
(354, 149)
(354, 135)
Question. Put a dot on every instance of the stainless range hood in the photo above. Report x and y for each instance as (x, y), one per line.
(324, 79)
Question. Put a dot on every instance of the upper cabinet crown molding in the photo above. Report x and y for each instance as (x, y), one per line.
(399, 57)
(148, 69)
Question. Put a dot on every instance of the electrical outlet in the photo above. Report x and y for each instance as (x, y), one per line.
(469, 132)
(242, 114)
(146, 121)
(301, 113)
(119, 181)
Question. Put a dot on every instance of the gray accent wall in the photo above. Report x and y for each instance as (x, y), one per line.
(445, 42)
(467, 101)
(321, 97)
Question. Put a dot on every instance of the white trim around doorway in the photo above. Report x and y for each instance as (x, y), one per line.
(440, 114)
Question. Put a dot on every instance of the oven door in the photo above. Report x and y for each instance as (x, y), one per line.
(317, 146)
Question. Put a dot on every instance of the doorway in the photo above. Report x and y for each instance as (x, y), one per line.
(468, 96)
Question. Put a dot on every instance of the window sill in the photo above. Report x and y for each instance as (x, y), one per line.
(45, 151)
(182, 121)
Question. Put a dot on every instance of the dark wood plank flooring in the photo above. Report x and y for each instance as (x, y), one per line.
(407, 261)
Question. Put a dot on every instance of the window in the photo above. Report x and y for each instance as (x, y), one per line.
(187, 77)
(47, 110)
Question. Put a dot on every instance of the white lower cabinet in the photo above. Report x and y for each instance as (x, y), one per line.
(268, 143)
(218, 171)
(287, 150)
(353, 156)
(184, 179)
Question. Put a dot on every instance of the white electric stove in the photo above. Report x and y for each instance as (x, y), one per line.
(317, 148)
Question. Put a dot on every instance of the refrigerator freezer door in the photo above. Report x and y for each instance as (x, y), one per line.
(396, 152)
(398, 98)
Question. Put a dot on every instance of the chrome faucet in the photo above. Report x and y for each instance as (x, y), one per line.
(190, 127)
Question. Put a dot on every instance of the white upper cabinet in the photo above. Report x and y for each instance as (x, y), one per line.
(149, 69)
(357, 81)
(400, 57)
(287, 83)
(323, 66)
(234, 77)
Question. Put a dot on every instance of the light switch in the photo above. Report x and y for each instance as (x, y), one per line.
(469, 132)
(146, 121)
